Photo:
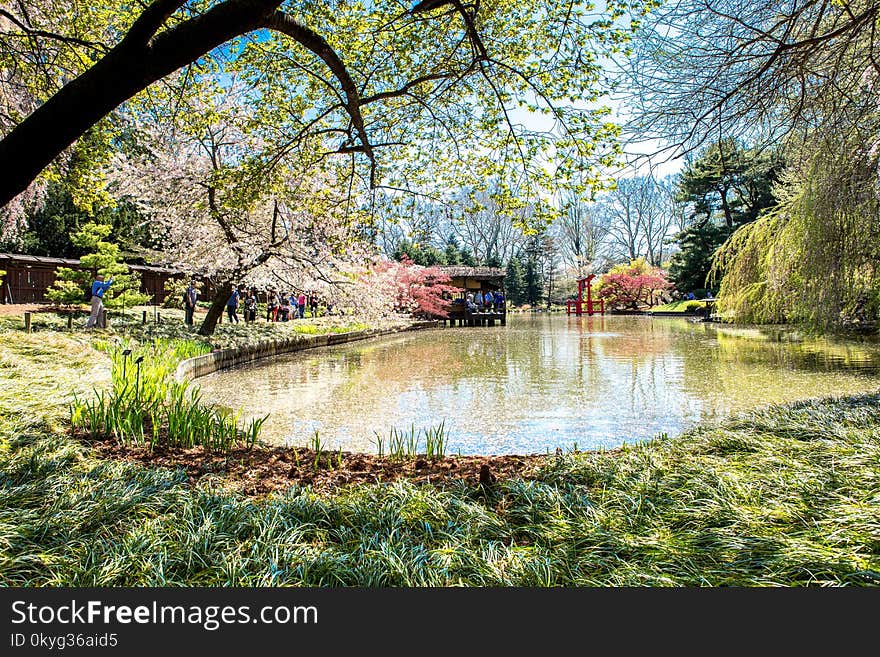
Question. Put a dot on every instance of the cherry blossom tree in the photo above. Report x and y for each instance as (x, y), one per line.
(221, 214)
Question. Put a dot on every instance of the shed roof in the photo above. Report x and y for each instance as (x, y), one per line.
(73, 262)
(477, 273)
(38, 260)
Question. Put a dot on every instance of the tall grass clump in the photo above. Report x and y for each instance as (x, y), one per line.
(406, 443)
(147, 407)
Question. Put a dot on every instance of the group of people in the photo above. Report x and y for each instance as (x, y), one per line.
(484, 301)
(247, 299)
(280, 307)
(690, 296)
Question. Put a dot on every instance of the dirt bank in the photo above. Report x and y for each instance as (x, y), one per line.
(263, 470)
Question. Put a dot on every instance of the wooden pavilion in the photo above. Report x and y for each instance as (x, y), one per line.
(470, 280)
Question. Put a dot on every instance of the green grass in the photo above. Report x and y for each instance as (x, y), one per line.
(171, 327)
(683, 306)
(146, 406)
(788, 495)
(403, 444)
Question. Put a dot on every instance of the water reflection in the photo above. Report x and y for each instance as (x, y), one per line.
(541, 382)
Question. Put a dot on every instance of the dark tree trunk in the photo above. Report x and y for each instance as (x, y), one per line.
(728, 215)
(127, 69)
(216, 309)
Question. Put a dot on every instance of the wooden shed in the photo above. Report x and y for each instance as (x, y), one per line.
(28, 277)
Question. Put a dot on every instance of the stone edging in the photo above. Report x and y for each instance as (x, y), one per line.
(193, 368)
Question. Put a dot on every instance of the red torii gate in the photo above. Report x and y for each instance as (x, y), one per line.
(576, 306)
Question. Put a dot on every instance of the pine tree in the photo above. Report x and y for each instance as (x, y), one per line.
(71, 285)
(514, 285)
(426, 256)
(404, 250)
(532, 284)
(493, 261)
(727, 186)
(453, 256)
(689, 268)
(533, 279)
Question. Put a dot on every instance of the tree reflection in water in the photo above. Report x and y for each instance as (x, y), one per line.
(542, 381)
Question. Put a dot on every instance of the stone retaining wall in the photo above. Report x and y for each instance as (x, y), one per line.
(192, 368)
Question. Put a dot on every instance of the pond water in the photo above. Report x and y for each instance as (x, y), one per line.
(540, 382)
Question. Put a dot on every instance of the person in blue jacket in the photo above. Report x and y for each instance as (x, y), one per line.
(99, 286)
(232, 304)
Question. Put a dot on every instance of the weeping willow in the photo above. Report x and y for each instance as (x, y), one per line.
(815, 258)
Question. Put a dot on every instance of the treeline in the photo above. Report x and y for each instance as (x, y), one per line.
(801, 85)
(675, 223)
(50, 229)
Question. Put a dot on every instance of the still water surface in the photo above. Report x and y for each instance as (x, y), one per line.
(540, 382)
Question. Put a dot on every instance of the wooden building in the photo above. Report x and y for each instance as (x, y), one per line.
(469, 281)
(28, 277)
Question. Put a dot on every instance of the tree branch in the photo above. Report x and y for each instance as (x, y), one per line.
(317, 44)
(52, 35)
(149, 22)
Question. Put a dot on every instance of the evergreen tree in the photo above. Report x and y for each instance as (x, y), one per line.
(533, 279)
(426, 256)
(532, 284)
(514, 283)
(404, 249)
(453, 256)
(467, 258)
(49, 230)
(429, 256)
(727, 186)
(689, 268)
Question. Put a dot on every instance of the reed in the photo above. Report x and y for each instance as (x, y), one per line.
(407, 443)
(436, 441)
(379, 441)
(317, 448)
(147, 407)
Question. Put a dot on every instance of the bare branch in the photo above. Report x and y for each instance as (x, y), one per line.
(30, 32)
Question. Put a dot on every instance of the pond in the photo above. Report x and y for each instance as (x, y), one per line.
(543, 381)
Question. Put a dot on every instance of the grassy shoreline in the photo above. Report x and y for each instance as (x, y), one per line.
(684, 306)
(787, 495)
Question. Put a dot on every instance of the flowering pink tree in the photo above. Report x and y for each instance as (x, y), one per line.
(633, 285)
(409, 288)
